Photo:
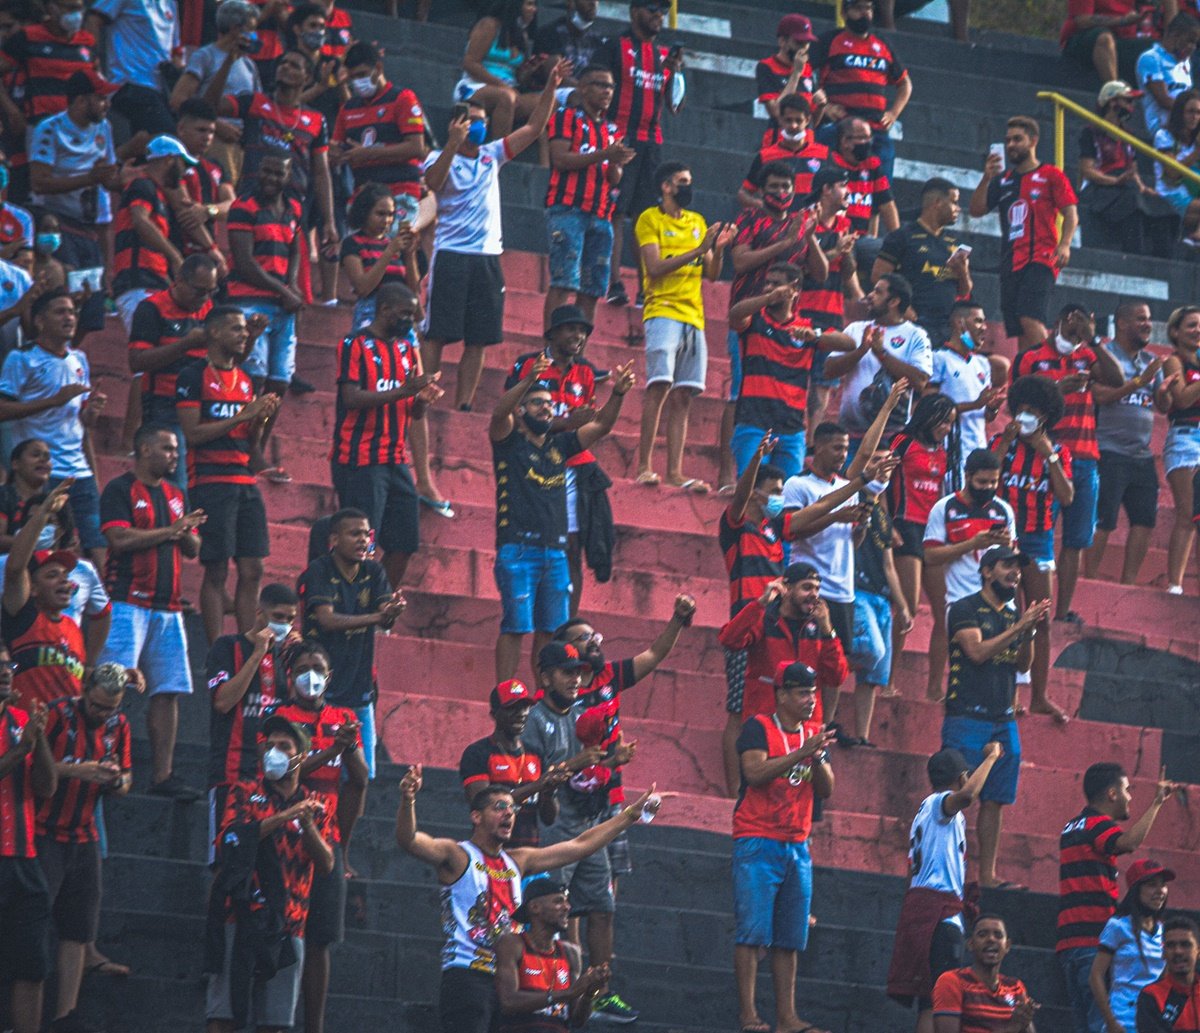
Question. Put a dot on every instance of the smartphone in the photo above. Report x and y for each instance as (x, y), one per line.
(78, 277)
(998, 149)
(964, 248)
(459, 111)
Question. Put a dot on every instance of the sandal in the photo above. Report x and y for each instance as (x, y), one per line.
(648, 478)
(694, 486)
(441, 507)
(276, 475)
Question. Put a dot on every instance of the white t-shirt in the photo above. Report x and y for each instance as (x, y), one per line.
(88, 594)
(952, 521)
(1134, 965)
(906, 341)
(69, 150)
(937, 848)
(831, 551)
(140, 36)
(34, 373)
(964, 380)
(14, 282)
(1158, 65)
(469, 202)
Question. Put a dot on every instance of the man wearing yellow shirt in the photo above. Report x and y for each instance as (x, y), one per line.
(678, 249)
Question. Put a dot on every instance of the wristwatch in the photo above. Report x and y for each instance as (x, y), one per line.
(1054, 458)
(213, 210)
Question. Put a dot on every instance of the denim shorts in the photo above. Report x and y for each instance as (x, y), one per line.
(274, 354)
(772, 893)
(871, 649)
(535, 588)
(1039, 547)
(153, 640)
(969, 735)
(1182, 448)
(676, 353)
(84, 500)
(580, 250)
(788, 453)
(1079, 518)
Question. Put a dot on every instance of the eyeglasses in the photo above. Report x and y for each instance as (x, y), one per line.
(500, 807)
(539, 403)
(587, 637)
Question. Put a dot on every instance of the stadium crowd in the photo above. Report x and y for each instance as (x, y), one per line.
(201, 175)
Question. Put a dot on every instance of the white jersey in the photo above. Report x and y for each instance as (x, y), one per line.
(937, 848)
(469, 202)
(477, 909)
(963, 380)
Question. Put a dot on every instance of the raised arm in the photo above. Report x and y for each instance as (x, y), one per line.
(606, 418)
(504, 415)
(444, 855)
(16, 572)
(532, 860)
(539, 118)
(647, 660)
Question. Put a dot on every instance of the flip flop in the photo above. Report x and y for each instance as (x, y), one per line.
(442, 508)
(276, 475)
(648, 478)
(810, 1028)
(1008, 887)
(756, 1027)
(694, 486)
(726, 490)
(108, 967)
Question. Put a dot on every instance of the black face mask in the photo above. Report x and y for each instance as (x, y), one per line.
(683, 195)
(1005, 593)
(536, 424)
(861, 151)
(981, 496)
(402, 327)
(859, 26)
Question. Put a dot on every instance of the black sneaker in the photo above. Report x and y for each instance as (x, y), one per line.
(617, 294)
(299, 386)
(175, 788)
(1071, 618)
(73, 1022)
(842, 737)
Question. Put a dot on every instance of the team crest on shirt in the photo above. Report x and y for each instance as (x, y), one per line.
(814, 164)
(364, 597)
(176, 507)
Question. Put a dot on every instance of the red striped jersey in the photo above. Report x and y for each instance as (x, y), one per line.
(868, 190)
(979, 1008)
(1190, 416)
(17, 803)
(202, 184)
(753, 557)
(233, 736)
(603, 693)
(1025, 484)
(782, 808)
(69, 816)
(804, 161)
(1077, 428)
(375, 435)
(48, 653)
(758, 229)
(145, 577)
(369, 250)
(1029, 204)
(219, 394)
(383, 120)
(270, 128)
(587, 188)
(1088, 886)
(541, 973)
(771, 76)
(1167, 1006)
(776, 366)
(824, 302)
(270, 41)
(276, 231)
(919, 482)
(856, 72)
(322, 727)
(339, 33)
(134, 264)
(569, 389)
(641, 75)
(13, 508)
(47, 61)
(485, 763)
(157, 322)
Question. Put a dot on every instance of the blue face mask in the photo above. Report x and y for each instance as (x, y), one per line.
(3, 177)
(48, 243)
(968, 341)
(477, 133)
(774, 506)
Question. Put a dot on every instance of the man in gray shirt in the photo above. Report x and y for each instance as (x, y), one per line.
(1124, 425)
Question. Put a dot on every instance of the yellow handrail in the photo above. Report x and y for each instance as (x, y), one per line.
(1063, 104)
(673, 17)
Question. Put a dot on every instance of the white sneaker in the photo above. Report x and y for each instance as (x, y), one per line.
(1175, 590)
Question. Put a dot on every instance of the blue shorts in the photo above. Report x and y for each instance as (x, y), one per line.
(84, 500)
(788, 453)
(772, 893)
(1079, 518)
(535, 588)
(735, 365)
(274, 354)
(154, 641)
(870, 652)
(969, 735)
(580, 250)
(1039, 547)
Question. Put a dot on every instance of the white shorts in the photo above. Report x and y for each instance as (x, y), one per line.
(155, 642)
(676, 353)
(127, 304)
(572, 502)
(1182, 448)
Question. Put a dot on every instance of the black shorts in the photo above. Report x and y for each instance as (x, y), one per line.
(945, 953)
(25, 919)
(841, 616)
(388, 497)
(144, 108)
(467, 1001)
(466, 299)
(1025, 294)
(1131, 483)
(912, 539)
(327, 905)
(72, 873)
(236, 524)
(639, 187)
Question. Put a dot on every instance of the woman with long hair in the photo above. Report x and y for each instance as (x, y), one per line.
(373, 254)
(1181, 454)
(28, 474)
(1178, 139)
(498, 69)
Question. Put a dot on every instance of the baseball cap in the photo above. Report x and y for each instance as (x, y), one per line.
(80, 84)
(64, 557)
(794, 672)
(546, 887)
(945, 766)
(996, 554)
(592, 726)
(168, 147)
(796, 26)
(560, 654)
(1144, 869)
(279, 723)
(800, 572)
(825, 176)
(513, 693)
(1115, 88)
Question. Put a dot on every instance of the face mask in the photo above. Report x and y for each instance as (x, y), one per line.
(310, 684)
(363, 87)
(981, 497)
(773, 506)
(780, 202)
(1063, 346)
(402, 327)
(536, 424)
(275, 763)
(683, 195)
(47, 243)
(859, 26)
(793, 137)
(1027, 423)
(580, 24)
(71, 22)
(3, 177)
(1005, 593)
(861, 151)
(279, 629)
(968, 341)
(477, 133)
(313, 39)
(48, 536)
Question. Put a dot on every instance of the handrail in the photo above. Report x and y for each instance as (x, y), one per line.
(673, 16)
(1062, 104)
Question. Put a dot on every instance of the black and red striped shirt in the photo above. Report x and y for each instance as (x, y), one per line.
(1077, 428)
(771, 76)
(157, 322)
(1025, 484)
(855, 72)
(920, 481)
(1087, 878)
(218, 394)
(486, 763)
(587, 188)
(824, 302)
(757, 228)
(17, 804)
(1189, 417)
(339, 33)
(369, 250)
(143, 577)
(136, 266)
(48, 653)
(1028, 204)
(46, 62)
(383, 120)
(868, 190)
(69, 816)
(753, 557)
(202, 185)
(233, 736)
(374, 435)
(269, 129)
(640, 74)
(570, 389)
(776, 366)
(276, 232)
(805, 161)
(604, 691)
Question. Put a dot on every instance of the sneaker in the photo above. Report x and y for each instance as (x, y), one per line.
(640, 300)
(176, 789)
(610, 1008)
(299, 386)
(1175, 590)
(73, 1022)
(617, 294)
(1071, 618)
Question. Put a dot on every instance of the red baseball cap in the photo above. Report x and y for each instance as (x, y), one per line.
(513, 693)
(796, 26)
(1140, 871)
(64, 557)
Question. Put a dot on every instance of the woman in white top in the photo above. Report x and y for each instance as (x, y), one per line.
(1178, 139)
(1130, 955)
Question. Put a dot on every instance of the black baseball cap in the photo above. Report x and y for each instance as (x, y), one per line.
(537, 888)
(560, 654)
(795, 673)
(998, 554)
(945, 766)
(826, 175)
(800, 571)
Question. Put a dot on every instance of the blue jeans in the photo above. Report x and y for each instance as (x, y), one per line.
(1076, 964)
(535, 588)
(1079, 518)
(788, 453)
(274, 354)
(871, 650)
(580, 250)
(84, 500)
(772, 893)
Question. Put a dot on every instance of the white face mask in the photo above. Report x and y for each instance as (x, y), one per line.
(275, 764)
(1027, 423)
(71, 21)
(579, 23)
(309, 684)
(792, 137)
(280, 630)
(47, 537)
(1063, 346)
(363, 87)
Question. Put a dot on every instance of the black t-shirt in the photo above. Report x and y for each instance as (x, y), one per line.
(920, 257)
(352, 653)
(868, 557)
(531, 492)
(983, 691)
